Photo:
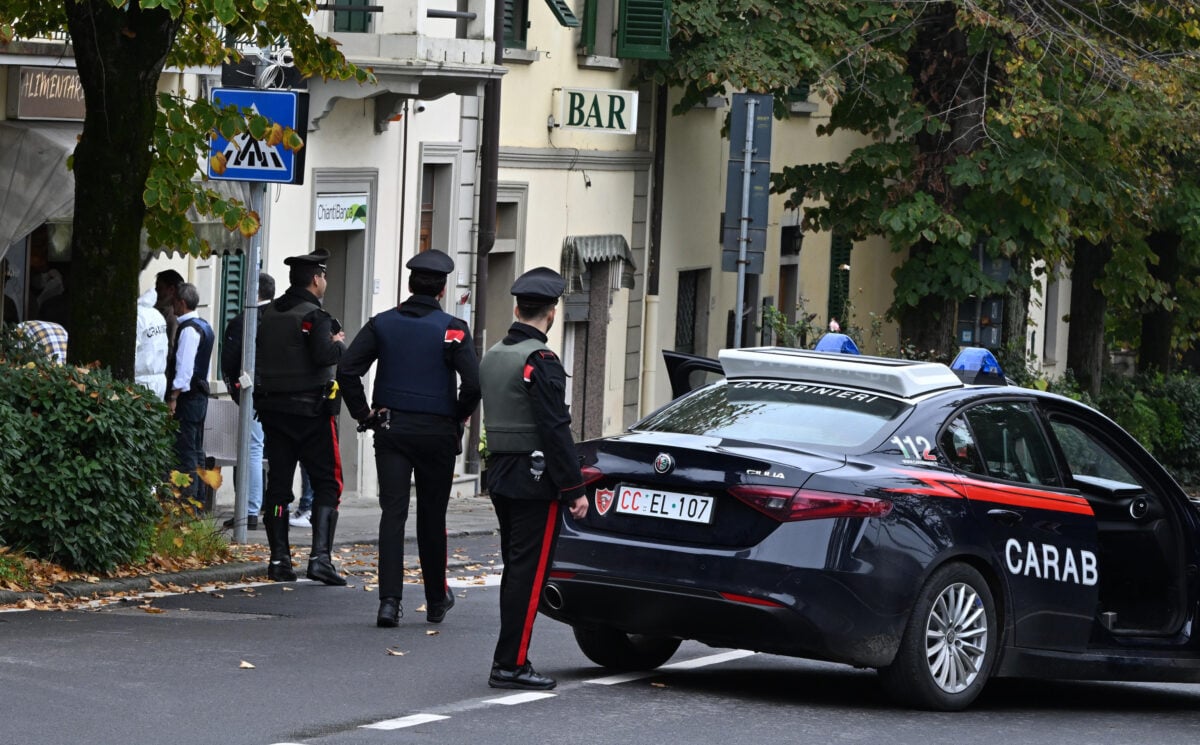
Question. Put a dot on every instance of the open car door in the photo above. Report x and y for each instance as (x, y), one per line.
(687, 372)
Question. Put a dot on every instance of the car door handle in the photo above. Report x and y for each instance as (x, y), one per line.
(1005, 517)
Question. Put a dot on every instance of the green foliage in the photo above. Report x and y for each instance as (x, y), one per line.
(1163, 413)
(81, 458)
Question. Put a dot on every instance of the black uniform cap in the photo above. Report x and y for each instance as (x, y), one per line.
(432, 261)
(540, 285)
(316, 258)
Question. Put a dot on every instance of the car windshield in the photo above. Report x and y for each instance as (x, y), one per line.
(794, 414)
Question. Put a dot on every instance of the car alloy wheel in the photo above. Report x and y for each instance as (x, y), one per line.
(949, 646)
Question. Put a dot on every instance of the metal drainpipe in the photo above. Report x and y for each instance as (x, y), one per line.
(650, 358)
(489, 167)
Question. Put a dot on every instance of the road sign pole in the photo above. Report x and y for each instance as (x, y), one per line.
(261, 204)
(744, 223)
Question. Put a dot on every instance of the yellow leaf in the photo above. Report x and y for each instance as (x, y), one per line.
(275, 134)
(210, 476)
(217, 163)
(245, 665)
(180, 479)
(152, 609)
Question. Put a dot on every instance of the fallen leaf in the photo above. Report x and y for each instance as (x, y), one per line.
(421, 608)
(152, 609)
(659, 685)
(432, 633)
(288, 589)
(246, 665)
(395, 652)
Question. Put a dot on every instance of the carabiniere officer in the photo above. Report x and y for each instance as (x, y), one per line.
(532, 467)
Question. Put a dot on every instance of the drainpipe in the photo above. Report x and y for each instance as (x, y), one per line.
(489, 167)
(650, 336)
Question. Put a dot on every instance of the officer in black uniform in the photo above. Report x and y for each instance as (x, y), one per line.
(417, 414)
(532, 469)
(299, 346)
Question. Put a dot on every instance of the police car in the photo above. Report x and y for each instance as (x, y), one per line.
(925, 520)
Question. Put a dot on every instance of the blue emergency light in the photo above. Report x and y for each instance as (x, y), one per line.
(839, 343)
(978, 366)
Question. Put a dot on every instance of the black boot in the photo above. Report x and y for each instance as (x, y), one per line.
(320, 566)
(279, 568)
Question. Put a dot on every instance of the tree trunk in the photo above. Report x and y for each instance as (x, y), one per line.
(1085, 340)
(120, 54)
(1158, 323)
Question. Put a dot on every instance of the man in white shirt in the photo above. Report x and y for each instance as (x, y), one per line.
(150, 358)
(188, 375)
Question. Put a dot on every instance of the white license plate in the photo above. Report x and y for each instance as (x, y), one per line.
(690, 508)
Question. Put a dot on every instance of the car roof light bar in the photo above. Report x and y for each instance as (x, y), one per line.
(904, 378)
(836, 343)
(978, 366)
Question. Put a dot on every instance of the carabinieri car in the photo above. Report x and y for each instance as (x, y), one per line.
(885, 514)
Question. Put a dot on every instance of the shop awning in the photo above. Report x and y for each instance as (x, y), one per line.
(581, 250)
(35, 185)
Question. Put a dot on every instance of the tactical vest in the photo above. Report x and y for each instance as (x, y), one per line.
(508, 415)
(199, 381)
(410, 378)
(281, 358)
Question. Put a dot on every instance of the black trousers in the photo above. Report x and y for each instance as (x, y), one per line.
(191, 410)
(399, 457)
(289, 439)
(528, 528)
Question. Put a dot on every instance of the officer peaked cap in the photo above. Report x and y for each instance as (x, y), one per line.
(432, 261)
(316, 258)
(540, 285)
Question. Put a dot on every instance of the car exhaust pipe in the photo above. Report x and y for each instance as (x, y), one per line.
(553, 597)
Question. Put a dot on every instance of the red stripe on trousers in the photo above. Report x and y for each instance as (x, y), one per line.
(538, 577)
(337, 459)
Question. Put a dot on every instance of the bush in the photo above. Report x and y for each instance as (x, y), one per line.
(1163, 413)
(82, 458)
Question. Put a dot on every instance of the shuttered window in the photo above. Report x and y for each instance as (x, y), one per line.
(839, 277)
(358, 21)
(516, 21)
(233, 293)
(644, 27)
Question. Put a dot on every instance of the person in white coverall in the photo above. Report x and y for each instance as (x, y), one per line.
(150, 359)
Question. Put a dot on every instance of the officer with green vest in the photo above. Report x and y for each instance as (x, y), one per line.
(299, 346)
(533, 469)
(426, 386)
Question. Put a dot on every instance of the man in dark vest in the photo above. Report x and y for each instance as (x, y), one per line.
(420, 349)
(532, 467)
(187, 373)
(299, 346)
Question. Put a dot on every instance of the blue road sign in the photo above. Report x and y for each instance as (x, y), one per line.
(248, 159)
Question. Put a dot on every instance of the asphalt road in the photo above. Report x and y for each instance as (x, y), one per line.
(174, 669)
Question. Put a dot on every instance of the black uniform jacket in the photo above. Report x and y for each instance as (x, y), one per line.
(459, 356)
(509, 473)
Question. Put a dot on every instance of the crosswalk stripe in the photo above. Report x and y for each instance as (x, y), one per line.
(411, 720)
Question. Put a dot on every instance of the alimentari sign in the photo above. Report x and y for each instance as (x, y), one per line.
(611, 111)
(45, 93)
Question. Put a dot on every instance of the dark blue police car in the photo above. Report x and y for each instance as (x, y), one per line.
(886, 514)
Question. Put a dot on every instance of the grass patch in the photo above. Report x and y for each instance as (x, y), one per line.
(14, 571)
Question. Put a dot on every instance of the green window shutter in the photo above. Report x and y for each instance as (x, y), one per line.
(352, 20)
(233, 293)
(839, 277)
(516, 16)
(644, 29)
(564, 14)
(587, 35)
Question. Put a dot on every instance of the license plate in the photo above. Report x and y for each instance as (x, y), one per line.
(671, 505)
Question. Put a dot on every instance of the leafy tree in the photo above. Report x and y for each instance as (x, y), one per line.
(141, 150)
(1035, 132)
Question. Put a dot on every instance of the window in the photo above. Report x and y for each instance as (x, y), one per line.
(516, 23)
(352, 20)
(1087, 458)
(1012, 444)
(691, 312)
(839, 276)
(639, 28)
(958, 446)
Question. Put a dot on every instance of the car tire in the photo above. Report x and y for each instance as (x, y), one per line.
(949, 645)
(616, 650)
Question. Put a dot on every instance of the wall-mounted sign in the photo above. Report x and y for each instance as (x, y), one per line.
(611, 111)
(340, 212)
(45, 93)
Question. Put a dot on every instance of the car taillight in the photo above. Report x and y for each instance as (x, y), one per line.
(591, 474)
(786, 504)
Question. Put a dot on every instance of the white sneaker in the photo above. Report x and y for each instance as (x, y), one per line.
(300, 519)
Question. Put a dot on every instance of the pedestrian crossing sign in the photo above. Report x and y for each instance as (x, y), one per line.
(245, 158)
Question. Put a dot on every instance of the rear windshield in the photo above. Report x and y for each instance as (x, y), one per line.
(795, 414)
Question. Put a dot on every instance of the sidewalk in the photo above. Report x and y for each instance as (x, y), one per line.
(358, 524)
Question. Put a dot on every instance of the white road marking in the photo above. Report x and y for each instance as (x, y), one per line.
(409, 721)
(613, 680)
(712, 659)
(520, 698)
